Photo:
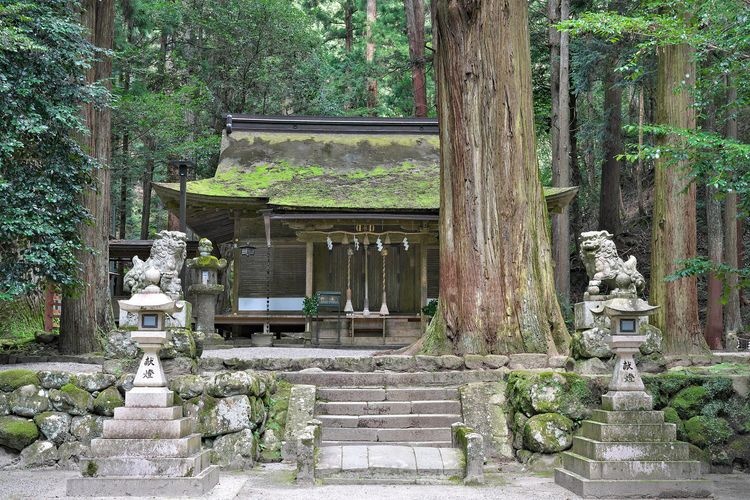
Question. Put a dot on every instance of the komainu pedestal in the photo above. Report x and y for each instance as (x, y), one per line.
(149, 448)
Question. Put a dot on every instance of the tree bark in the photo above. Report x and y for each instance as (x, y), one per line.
(90, 312)
(553, 16)
(674, 224)
(415, 34)
(496, 279)
(372, 83)
(348, 25)
(148, 176)
(561, 168)
(732, 235)
(639, 165)
(714, 319)
(609, 198)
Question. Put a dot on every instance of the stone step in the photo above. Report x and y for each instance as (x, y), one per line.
(655, 450)
(628, 432)
(392, 462)
(607, 488)
(389, 421)
(146, 448)
(424, 444)
(133, 413)
(628, 417)
(132, 466)
(390, 379)
(354, 394)
(133, 486)
(631, 469)
(364, 435)
(426, 407)
(147, 429)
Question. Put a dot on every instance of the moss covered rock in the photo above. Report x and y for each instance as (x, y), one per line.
(93, 382)
(17, 433)
(591, 344)
(217, 416)
(51, 379)
(230, 384)
(87, 427)
(551, 392)
(107, 400)
(548, 433)
(707, 431)
(10, 380)
(689, 401)
(39, 454)
(28, 401)
(653, 342)
(236, 451)
(182, 344)
(4, 404)
(739, 448)
(71, 399)
(55, 426)
(187, 386)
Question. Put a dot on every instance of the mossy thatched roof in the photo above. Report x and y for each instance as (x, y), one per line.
(327, 171)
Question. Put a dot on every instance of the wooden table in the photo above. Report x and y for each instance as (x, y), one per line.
(372, 318)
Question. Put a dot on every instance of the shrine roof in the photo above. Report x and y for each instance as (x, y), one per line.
(320, 164)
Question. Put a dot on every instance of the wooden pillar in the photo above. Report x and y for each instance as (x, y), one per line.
(308, 277)
(422, 278)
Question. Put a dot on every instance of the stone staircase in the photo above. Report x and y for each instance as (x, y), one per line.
(386, 434)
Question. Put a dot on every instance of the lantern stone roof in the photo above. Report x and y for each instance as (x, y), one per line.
(625, 306)
(304, 163)
(150, 298)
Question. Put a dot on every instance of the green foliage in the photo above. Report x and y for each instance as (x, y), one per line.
(310, 306)
(689, 401)
(43, 170)
(21, 318)
(707, 432)
(430, 309)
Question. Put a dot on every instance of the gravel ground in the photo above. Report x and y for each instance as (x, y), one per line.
(287, 352)
(66, 367)
(274, 481)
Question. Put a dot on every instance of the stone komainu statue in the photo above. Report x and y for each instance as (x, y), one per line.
(167, 256)
(606, 270)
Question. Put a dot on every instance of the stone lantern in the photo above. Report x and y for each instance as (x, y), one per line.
(148, 448)
(626, 389)
(150, 307)
(207, 287)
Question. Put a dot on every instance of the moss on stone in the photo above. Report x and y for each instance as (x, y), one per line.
(91, 469)
(548, 433)
(671, 417)
(549, 392)
(11, 380)
(707, 432)
(739, 449)
(107, 400)
(17, 433)
(77, 397)
(436, 342)
(689, 401)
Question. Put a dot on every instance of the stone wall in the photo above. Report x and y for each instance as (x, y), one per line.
(711, 411)
(49, 418)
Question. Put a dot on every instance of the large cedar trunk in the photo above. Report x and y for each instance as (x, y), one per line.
(415, 33)
(561, 167)
(89, 312)
(372, 83)
(496, 282)
(609, 198)
(674, 224)
(733, 235)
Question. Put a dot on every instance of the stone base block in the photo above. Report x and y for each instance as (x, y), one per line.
(639, 488)
(631, 469)
(149, 397)
(146, 448)
(134, 413)
(147, 429)
(626, 432)
(118, 486)
(627, 417)
(627, 401)
(656, 450)
(143, 467)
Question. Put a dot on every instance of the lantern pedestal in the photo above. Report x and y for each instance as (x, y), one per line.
(149, 448)
(626, 450)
